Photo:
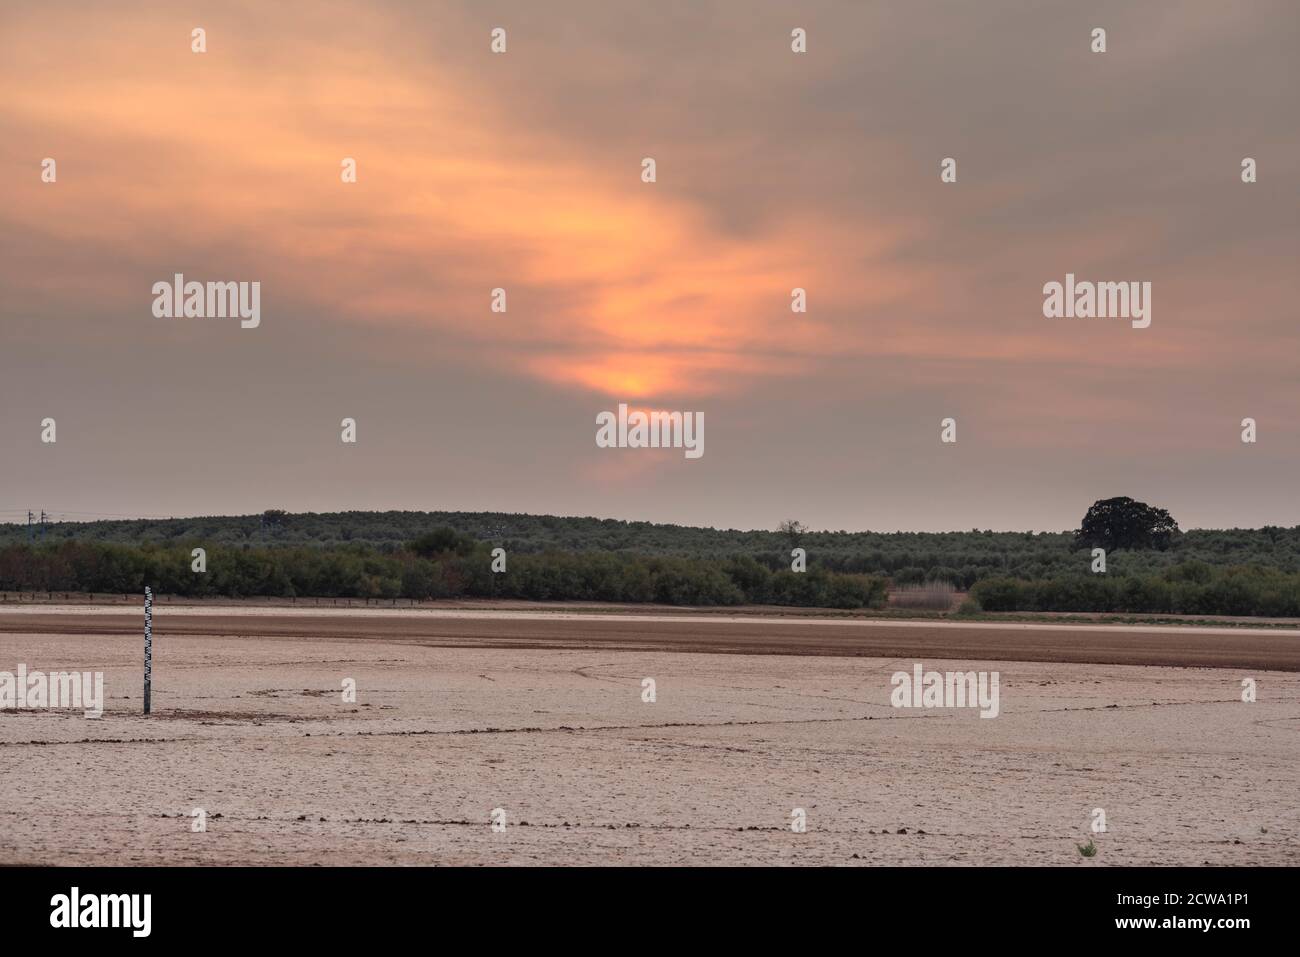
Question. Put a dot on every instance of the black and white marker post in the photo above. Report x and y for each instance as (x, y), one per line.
(148, 646)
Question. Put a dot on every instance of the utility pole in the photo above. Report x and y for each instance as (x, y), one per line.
(42, 525)
(29, 524)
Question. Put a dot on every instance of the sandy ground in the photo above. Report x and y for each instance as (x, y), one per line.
(543, 717)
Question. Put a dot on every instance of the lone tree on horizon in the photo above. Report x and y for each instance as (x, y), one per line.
(1113, 523)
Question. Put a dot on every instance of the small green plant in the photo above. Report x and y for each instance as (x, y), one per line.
(1087, 850)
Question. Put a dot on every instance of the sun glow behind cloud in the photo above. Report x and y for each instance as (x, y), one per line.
(615, 286)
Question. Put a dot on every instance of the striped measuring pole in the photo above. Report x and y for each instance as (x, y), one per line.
(148, 647)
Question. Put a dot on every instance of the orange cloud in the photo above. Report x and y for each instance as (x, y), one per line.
(616, 286)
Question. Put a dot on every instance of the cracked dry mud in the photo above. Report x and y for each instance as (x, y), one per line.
(250, 725)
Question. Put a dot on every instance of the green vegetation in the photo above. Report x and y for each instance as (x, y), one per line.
(446, 554)
(1189, 588)
(441, 564)
(961, 558)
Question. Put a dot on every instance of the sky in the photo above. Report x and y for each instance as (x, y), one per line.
(775, 170)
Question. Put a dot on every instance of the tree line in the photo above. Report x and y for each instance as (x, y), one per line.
(959, 558)
(1126, 556)
(458, 567)
(455, 567)
(1189, 588)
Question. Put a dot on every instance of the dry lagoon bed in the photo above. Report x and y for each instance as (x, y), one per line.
(452, 721)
